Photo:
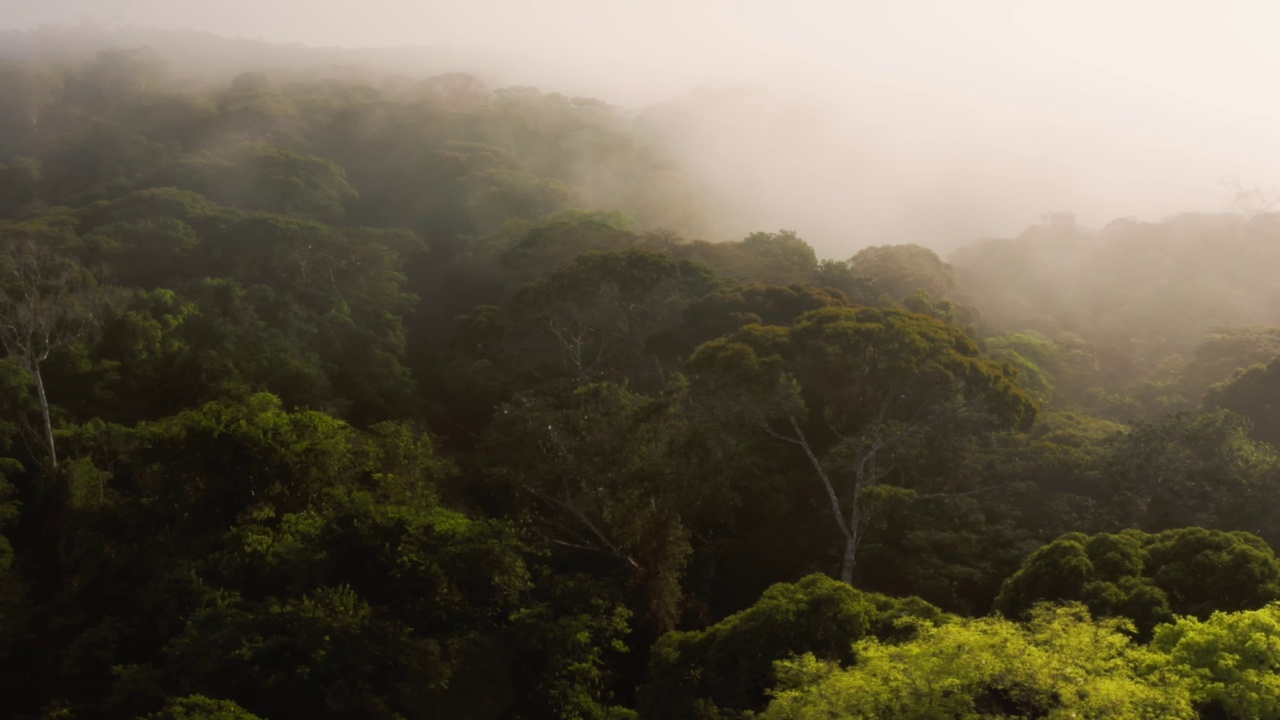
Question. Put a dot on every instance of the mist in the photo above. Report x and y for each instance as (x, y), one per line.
(853, 124)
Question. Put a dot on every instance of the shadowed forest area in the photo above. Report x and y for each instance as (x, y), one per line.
(344, 394)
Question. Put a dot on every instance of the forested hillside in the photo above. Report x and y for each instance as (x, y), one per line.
(348, 396)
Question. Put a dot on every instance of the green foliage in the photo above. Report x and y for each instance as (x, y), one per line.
(1075, 430)
(899, 271)
(21, 185)
(595, 318)
(943, 309)
(1189, 470)
(853, 387)
(727, 310)
(27, 90)
(321, 569)
(1255, 394)
(408, 397)
(729, 666)
(199, 707)
(1225, 351)
(1230, 661)
(262, 177)
(1147, 578)
(915, 360)
(324, 655)
(1062, 664)
(554, 241)
(1054, 372)
(780, 258)
(567, 634)
(859, 289)
(593, 465)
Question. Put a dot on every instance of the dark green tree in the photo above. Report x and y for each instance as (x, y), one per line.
(899, 271)
(729, 667)
(47, 303)
(1147, 578)
(847, 387)
(1253, 393)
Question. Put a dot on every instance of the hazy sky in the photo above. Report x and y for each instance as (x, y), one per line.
(949, 118)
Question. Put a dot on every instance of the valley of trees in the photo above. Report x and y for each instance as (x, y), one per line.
(334, 396)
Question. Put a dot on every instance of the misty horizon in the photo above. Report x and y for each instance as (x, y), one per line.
(878, 123)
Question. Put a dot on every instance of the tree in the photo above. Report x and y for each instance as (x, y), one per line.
(294, 565)
(1147, 578)
(1187, 470)
(328, 654)
(596, 316)
(20, 185)
(118, 74)
(26, 90)
(779, 258)
(150, 252)
(456, 90)
(47, 303)
(840, 275)
(1249, 201)
(1027, 352)
(1230, 661)
(1056, 371)
(1224, 352)
(900, 270)
(555, 241)
(729, 309)
(1062, 664)
(199, 707)
(276, 180)
(848, 386)
(255, 114)
(263, 178)
(596, 469)
(729, 666)
(1255, 394)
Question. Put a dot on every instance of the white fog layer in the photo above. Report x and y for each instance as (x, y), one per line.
(852, 123)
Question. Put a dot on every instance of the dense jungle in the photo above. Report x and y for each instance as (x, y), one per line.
(329, 393)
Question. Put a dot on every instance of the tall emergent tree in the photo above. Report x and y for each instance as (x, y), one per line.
(47, 302)
(849, 386)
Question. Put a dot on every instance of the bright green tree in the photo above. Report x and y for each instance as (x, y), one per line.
(1231, 660)
(1061, 665)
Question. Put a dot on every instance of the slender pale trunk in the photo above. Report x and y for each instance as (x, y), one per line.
(849, 529)
(662, 375)
(44, 412)
(853, 527)
(850, 557)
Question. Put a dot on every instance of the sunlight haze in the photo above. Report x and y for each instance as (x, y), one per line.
(863, 122)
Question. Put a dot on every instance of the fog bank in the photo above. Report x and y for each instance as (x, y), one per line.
(853, 123)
